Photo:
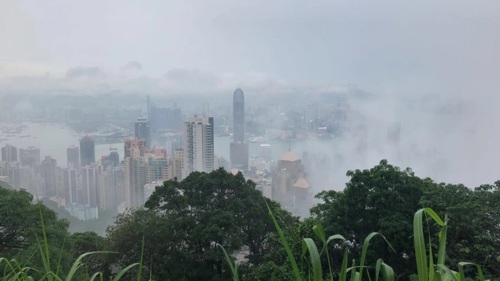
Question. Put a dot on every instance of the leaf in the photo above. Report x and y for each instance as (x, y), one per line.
(320, 232)
(308, 245)
(343, 267)
(288, 250)
(78, 263)
(386, 270)
(461, 265)
(419, 244)
(365, 249)
(123, 271)
(233, 267)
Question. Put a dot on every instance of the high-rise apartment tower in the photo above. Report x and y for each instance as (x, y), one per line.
(87, 151)
(142, 130)
(198, 145)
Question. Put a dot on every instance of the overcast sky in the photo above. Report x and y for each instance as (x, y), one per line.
(445, 47)
(401, 51)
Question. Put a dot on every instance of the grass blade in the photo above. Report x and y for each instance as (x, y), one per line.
(139, 273)
(123, 271)
(330, 239)
(461, 265)
(448, 274)
(288, 250)
(335, 237)
(386, 270)
(233, 267)
(308, 245)
(60, 257)
(419, 244)
(44, 249)
(343, 267)
(434, 216)
(78, 263)
(320, 232)
(442, 242)
(432, 270)
(365, 249)
(95, 276)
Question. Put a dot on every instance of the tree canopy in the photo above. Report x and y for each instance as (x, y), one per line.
(185, 220)
(23, 224)
(384, 199)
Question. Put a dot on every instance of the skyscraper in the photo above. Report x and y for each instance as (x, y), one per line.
(48, 170)
(87, 151)
(289, 185)
(89, 185)
(238, 116)
(134, 147)
(135, 179)
(9, 153)
(142, 130)
(71, 184)
(30, 156)
(198, 145)
(73, 155)
(239, 148)
(176, 165)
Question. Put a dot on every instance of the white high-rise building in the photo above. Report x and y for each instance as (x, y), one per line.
(135, 179)
(198, 145)
(90, 185)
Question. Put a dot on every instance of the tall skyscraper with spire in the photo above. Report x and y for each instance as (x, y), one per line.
(238, 116)
(239, 148)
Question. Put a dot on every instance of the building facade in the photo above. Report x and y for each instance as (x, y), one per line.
(9, 153)
(87, 151)
(73, 156)
(238, 151)
(135, 179)
(198, 145)
(289, 185)
(30, 156)
(143, 131)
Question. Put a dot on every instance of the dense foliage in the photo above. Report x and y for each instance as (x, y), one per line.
(25, 226)
(176, 234)
(384, 199)
(185, 221)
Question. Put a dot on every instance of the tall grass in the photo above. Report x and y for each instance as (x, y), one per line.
(427, 270)
(314, 260)
(13, 271)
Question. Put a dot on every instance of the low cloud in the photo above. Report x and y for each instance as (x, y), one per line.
(83, 72)
(132, 66)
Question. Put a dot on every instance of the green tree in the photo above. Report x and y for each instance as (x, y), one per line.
(382, 199)
(22, 231)
(275, 264)
(474, 222)
(184, 221)
(85, 242)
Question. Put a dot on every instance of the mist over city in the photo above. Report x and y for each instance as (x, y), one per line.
(101, 102)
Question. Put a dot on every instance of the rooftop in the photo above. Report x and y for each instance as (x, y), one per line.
(302, 183)
(290, 156)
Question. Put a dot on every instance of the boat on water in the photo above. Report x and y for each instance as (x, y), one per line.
(258, 139)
